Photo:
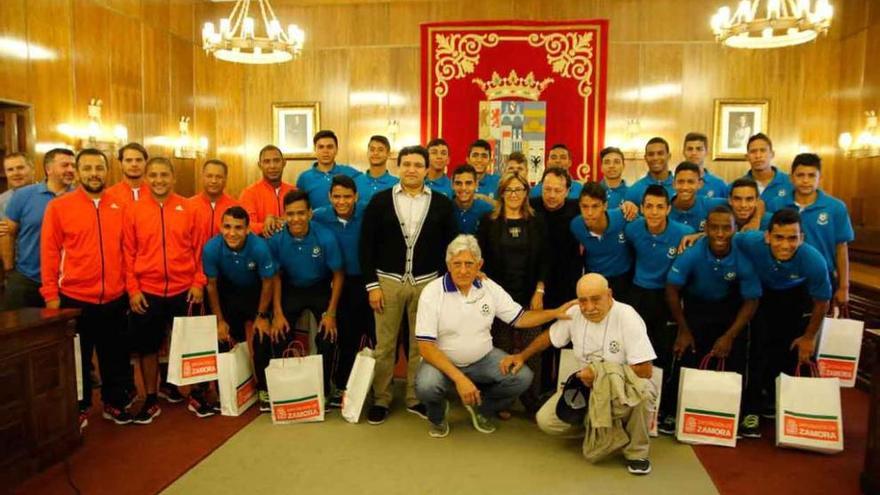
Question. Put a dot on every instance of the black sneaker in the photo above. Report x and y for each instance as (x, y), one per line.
(170, 393)
(147, 413)
(335, 400)
(769, 412)
(638, 466)
(118, 416)
(132, 396)
(750, 426)
(200, 407)
(377, 415)
(667, 425)
(419, 410)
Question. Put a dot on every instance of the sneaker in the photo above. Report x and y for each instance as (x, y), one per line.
(200, 407)
(750, 427)
(667, 426)
(170, 393)
(481, 423)
(335, 400)
(132, 396)
(147, 413)
(83, 421)
(419, 410)
(769, 412)
(265, 404)
(118, 416)
(438, 431)
(377, 415)
(216, 407)
(638, 466)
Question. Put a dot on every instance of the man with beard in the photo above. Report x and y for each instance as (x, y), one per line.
(82, 267)
(262, 199)
(316, 180)
(132, 159)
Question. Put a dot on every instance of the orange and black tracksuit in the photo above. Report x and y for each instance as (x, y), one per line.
(261, 199)
(209, 217)
(163, 261)
(83, 267)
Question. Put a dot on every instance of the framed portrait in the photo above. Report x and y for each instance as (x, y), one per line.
(293, 125)
(735, 122)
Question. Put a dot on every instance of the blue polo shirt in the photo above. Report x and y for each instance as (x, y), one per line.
(636, 192)
(616, 195)
(826, 224)
(779, 186)
(573, 193)
(654, 253)
(710, 278)
(317, 183)
(469, 220)
(441, 185)
(607, 254)
(713, 186)
(806, 266)
(367, 186)
(26, 208)
(347, 233)
(696, 216)
(308, 260)
(245, 268)
(488, 185)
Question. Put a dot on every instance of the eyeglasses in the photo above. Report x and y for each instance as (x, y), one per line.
(514, 190)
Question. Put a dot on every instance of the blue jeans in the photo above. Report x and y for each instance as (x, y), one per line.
(497, 391)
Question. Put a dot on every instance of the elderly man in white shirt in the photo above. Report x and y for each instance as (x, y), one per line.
(599, 329)
(453, 332)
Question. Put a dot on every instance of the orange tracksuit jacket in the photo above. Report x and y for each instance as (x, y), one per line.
(81, 249)
(163, 255)
(260, 199)
(208, 218)
(124, 194)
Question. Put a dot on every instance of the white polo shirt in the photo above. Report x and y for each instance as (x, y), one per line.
(460, 325)
(621, 337)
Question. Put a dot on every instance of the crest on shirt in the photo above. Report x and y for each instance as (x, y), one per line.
(621, 238)
(710, 194)
(702, 225)
(670, 253)
(252, 265)
(484, 309)
(179, 208)
(794, 276)
(823, 218)
(614, 347)
(730, 276)
(781, 193)
(316, 251)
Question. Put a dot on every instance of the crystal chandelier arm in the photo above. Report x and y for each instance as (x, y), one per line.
(235, 17)
(282, 33)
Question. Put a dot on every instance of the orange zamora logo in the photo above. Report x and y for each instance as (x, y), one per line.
(296, 409)
(712, 424)
(199, 364)
(245, 391)
(831, 366)
(811, 426)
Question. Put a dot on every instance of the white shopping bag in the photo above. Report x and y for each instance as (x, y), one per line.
(77, 361)
(236, 382)
(359, 382)
(657, 382)
(568, 364)
(296, 389)
(808, 414)
(708, 406)
(839, 347)
(192, 355)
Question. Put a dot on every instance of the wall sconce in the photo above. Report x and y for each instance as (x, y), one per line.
(632, 144)
(187, 147)
(95, 134)
(867, 144)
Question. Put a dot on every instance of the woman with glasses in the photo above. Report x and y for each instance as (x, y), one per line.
(513, 240)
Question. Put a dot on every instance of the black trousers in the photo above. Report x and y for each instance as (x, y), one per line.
(21, 292)
(356, 322)
(707, 320)
(782, 316)
(662, 331)
(239, 305)
(621, 287)
(102, 328)
(294, 302)
(150, 329)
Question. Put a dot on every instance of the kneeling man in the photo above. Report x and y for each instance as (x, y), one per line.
(453, 332)
(601, 330)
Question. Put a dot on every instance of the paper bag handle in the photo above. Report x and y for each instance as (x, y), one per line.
(295, 349)
(366, 342)
(189, 309)
(719, 366)
(814, 370)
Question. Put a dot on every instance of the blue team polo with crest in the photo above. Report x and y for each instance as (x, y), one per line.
(826, 224)
(469, 220)
(710, 278)
(305, 261)
(441, 185)
(806, 266)
(347, 232)
(244, 268)
(636, 192)
(367, 186)
(779, 186)
(695, 217)
(713, 186)
(317, 183)
(607, 254)
(616, 195)
(654, 252)
(488, 185)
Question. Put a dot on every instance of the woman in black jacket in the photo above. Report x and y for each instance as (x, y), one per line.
(513, 241)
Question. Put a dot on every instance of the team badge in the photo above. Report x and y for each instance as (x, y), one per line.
(823, 218)
(781, 193)
(671, 253)
(621, 238)
(730, 276)
(710, 194)
(484, 310)
(316, 251)
(702, 225)
(252, 265)
(614, 347)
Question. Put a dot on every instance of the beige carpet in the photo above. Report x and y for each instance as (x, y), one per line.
(399, 457)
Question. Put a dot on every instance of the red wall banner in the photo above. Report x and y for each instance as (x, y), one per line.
(531, 84)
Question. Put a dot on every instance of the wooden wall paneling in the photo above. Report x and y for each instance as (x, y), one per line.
(404, 19)
(181, 20)
(817, 121)
(227, 81)
(91, 50)
(126, 85)
(659, 87)
(204, 118)
(405, 76)
(371, 99)
(158, 121)
(290, 82)
(131, 8)
(181, 100)
(157, 13)
(850, 116)
(13, 64)
(51, 79)
(357, 24)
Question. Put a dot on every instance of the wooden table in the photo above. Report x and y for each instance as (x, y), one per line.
(38, 406)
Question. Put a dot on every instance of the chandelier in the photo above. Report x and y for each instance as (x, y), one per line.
(786, 22)
(237, 40)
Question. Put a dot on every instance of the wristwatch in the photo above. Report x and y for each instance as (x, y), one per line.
(263, 314)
